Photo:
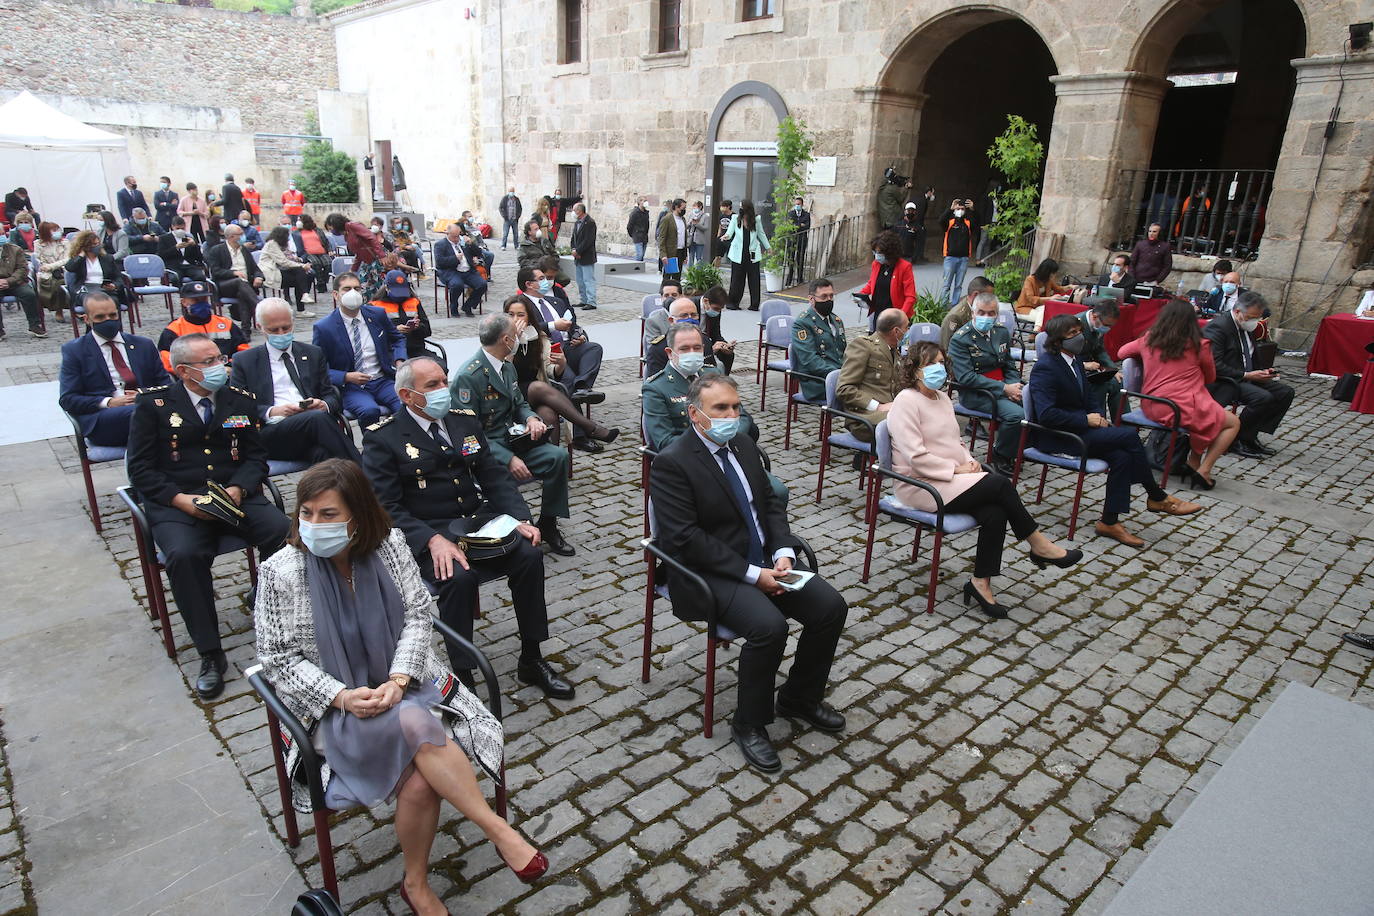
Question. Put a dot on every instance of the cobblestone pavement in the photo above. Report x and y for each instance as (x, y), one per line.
(1025, 765)
(16, 893)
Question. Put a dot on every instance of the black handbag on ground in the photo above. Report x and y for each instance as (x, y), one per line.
(1344, 389)
(1157, 449)
(316, 903)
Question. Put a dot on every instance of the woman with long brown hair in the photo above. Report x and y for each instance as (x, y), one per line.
(748, 243)
(344, 635)
(1178, 366)
(51, 251)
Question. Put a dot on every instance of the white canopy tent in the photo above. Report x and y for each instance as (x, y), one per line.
(64, 163)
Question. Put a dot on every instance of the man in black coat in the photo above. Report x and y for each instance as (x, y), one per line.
(236, 273)
(428, 472)
(716, 513)
(180, 437)
(165, 202)
(180, 252)
(1264, 399)
(231, 199)
(584, 256)
(18, 200)
(298, 405)
(637, 227)
(130, 197)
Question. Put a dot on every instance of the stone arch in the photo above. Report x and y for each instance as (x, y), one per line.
(1158, 38)
(734, 94)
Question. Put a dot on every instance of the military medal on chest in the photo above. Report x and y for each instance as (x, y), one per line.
(412, 452)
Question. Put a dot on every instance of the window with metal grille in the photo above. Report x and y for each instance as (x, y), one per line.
(572, 32)
(570, 180)
(669, 25)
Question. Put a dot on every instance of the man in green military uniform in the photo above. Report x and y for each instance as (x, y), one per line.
(1096, 322)
(181, 437)
(868, 379)
(665, 394)
(817, 340)
(959, 315)
(487, 384)
(980, 363)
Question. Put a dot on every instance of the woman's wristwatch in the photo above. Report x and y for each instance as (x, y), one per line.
(400, 680)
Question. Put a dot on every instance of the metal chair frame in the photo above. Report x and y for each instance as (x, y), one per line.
(829, 411)
(768, 309)
(83, 454)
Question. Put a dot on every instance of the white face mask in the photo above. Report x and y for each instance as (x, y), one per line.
(530, 334)
(959, 214)
(352, 300)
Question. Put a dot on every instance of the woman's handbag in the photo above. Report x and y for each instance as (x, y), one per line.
(464, 532)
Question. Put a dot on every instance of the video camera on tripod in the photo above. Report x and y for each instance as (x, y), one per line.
(891, 177)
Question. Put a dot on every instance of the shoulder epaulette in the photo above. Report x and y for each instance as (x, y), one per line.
(380, 423)
(154, 388)
(656, 375)
(242, 392)
(463, 411)
(659, 339)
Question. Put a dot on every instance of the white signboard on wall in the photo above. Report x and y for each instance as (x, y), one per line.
(820, 172)
(746, 147)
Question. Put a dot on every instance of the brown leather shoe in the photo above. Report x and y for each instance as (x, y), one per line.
(1118, 532)
(1172, 505)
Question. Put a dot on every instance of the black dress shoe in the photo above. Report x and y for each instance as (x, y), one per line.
(587, 306)
(588, 396)
(757, 749)
(605, 434)
(554, 538)
(1246, 450)
(588, 445)
(820, 715)
(1262, 448)
(210, 681)
(541, 674)
(1363, 640)
(1003, 466)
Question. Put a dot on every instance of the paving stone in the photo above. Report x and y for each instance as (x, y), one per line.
(1012, 869)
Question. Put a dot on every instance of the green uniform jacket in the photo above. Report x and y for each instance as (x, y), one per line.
(869, 373)
(495, 398)
(971, 354)
(817, 349)
(955, 319)
(665, 407)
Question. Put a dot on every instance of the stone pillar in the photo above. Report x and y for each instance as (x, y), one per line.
(892, 122)
(1301, 247)
(1104, 123)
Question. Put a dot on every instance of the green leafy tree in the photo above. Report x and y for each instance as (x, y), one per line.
(328, 175)
(794, 152)
(1018, 155)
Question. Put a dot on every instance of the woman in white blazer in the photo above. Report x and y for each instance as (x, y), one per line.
(748, 242)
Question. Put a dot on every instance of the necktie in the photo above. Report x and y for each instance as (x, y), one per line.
(742, 500)
(207, 410)
(121, 366)
(1247, 351)
(357, 341)
(290, 365)
(438, 436)
(555, 335)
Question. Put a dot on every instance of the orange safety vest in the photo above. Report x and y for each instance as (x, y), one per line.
(217, 329)
(945, 243)
(253, 198)
(292, 203)
(398, 310)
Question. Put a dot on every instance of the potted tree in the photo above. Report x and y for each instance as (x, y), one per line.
(1018, 155)
(794, 152)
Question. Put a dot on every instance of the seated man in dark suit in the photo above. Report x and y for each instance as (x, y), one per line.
(196, 430)
(1062, 400)
(297, 404)
(1119, 276)
(236, 273)
(455, 263)
(1264, 399)
(180, 252)
(582, 357)
(1226, 296)
(362, 348)
(102, 371)
(430, 465)
(716, 513)
(1105, 393)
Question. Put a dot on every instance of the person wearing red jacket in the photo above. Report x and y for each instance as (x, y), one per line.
(891, 284)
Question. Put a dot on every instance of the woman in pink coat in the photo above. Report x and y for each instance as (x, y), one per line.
(1178, 366)
(195, 211)
(926, 446)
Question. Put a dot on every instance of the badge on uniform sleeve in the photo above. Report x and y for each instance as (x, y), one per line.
(412, 452)
(464, 395)
(175, 420)
(237, 421)
(157, 401)
(471, 446)
(801, 333)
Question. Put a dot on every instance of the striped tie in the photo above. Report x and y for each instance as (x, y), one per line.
(357, 342)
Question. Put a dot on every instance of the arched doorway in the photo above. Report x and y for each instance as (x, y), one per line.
(742, 147)
(965, 72)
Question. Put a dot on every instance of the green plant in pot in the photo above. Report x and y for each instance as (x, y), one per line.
(930, 309)
(700, 277)
(794, 152)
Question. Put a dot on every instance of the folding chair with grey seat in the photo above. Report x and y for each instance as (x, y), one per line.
(845, 440)
(1047, 459)
(218, 302)
(777, 335)
(691, 589)
(88, 454)
(285, 729)
(647, 306)
(770, 308)
(920, 331)
(267, 290)
(340, 266)
(941, 522)
(1132, 381)
(436, 350)
(149, 267)
(151, 559)
(978, 419)
(1006, 316)
(796, 400)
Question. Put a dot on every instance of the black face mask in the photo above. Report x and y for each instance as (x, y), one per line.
(106, 329)
(824, 308)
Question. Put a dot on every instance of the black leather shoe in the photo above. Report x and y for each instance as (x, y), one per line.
(210, 681)
(554, 539)
(588, 445)
(819, 715)
(757, 749)
(1363, 640)
(1246, 450)
(1002, 465)
(587, 306)
(1261, 448)
(541, 674)
(588, 396)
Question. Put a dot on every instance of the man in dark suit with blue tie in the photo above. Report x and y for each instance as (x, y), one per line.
(362, 348)
(102, 371)
(455, 260)
(297, 403)
(716, 513)
(1059, 399)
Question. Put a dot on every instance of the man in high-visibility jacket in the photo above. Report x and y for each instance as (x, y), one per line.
(958, 226)
(252, 199)
(292, 201)
(198, 317)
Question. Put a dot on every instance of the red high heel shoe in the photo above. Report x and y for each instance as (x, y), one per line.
(406, 898)
(533, 870)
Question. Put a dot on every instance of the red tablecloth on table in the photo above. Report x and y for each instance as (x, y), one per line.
(1135, 319)
(1340, 345)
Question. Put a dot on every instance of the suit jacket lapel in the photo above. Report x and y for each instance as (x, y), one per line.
(707, 456)
(185, 405)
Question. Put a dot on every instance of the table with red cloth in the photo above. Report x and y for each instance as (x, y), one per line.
(1340, 345)
(1135, 319)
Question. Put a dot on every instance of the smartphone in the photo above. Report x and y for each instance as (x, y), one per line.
(789, 579)
(556, 346)
(304, 405)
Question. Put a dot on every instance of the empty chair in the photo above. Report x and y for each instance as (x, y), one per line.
(845, 440)
(157, 279)
(769, 308)
(777, 335)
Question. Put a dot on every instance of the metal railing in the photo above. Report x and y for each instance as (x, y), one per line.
(1022, 261)
(1217, 212)
(825, 249)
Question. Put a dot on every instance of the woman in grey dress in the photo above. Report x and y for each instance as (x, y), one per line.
(344, 635)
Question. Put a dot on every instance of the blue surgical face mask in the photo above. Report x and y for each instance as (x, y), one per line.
(723, 429)
(880, 257)
(713, 313)
(281, 341)
(934, 376)
(690, 363)
(686, 319)
(106, 329)
(546, 285)
(983, 323)
(1228, 288)
(198, 312)
(325, 539)
(213, 377)
(437, 403)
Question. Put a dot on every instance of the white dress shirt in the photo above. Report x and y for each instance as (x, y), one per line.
(550, 314)
(751, 575)
(115, 379)
(94, 275)
(367, 361)
(236, 259)
(495, 363)
(681, 233)
(284, 391)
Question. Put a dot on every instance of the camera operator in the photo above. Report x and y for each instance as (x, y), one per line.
(894, 192)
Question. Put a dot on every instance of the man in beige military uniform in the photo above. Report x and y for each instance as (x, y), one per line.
(868, 379)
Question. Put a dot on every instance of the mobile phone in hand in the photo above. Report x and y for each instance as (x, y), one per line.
(304, 405)
(789, 579)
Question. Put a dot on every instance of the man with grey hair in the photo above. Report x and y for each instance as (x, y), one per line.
(487, 384)
(680, 311)
(989, 380)
(1235, 334)
(143, 234)
(868, 376)
(432, 465)
(716, 514)
(298, 406)
(181, 436)
(236, 273)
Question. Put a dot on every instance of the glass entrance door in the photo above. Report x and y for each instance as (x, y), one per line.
(739, 179)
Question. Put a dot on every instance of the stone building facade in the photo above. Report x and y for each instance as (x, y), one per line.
(189, 87)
